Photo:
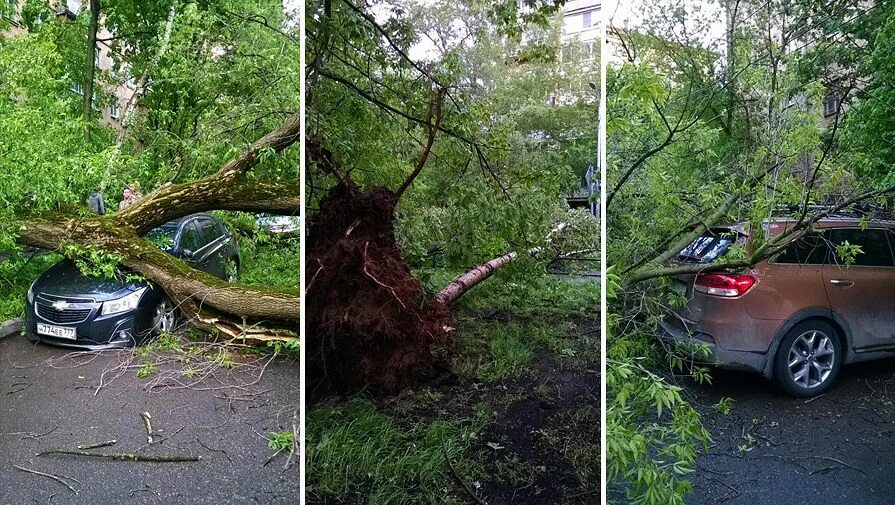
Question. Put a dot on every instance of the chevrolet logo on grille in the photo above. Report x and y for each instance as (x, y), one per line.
(61, 305)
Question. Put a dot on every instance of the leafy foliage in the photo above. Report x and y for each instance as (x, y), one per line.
(507, 153)
(282, 440)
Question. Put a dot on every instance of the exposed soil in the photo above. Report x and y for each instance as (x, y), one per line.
(369, 322)
(533, 452)
(836, 448)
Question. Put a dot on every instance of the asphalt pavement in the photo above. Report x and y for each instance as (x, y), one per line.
(772, 449)
(49, 400)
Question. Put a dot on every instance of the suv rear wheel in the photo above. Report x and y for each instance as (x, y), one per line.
(808, 359)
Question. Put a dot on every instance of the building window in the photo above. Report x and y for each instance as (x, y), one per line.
(114, 111)
(565, 53)
(831, 104)
(588, 21)
(77, 88)
(587, 50)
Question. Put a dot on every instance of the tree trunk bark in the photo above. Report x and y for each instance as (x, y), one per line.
(459, 286)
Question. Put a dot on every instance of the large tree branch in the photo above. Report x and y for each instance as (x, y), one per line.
(765, 250)
(220, 190)
(234, 309)
(435, 103)
(188, 287)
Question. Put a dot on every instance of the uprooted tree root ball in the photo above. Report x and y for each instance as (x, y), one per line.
(370, 323)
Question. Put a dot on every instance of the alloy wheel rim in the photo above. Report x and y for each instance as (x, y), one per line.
(164, 317)
(811, 359)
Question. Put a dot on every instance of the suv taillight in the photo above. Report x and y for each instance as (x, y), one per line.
(726, 285)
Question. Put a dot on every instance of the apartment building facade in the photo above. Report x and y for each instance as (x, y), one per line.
(121, 88)
(581, 28)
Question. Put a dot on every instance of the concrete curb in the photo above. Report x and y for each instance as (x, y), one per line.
(11, 327)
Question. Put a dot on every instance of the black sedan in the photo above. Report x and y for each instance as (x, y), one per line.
(66, 308)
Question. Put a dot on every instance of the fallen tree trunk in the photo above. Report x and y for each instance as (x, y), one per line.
(230, 308)
(459, 286)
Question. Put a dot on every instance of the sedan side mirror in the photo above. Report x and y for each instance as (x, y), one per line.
(188, 254)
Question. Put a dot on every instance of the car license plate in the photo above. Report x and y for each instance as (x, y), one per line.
(56, 331)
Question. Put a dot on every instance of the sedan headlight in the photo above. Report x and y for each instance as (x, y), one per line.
(31, 292)
(123, 304)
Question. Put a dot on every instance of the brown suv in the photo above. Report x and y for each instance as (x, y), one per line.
(798, 316)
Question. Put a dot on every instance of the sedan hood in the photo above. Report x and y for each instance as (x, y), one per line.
(64, 279)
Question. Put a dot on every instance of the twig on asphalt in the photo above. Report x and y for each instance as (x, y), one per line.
(97, 445)
(212, 449)
(143, 489)
(171, 435)
(765, 438)
(57, 478)
(728, 495)
(30, 434)
(834, 460)
(148, 424)
(272, 457)
(809, 400)
(168, 458)
(25, 385)
(294, 441)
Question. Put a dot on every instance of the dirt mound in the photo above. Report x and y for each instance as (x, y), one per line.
(369, 321)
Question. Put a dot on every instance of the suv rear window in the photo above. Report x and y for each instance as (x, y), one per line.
(708, 247)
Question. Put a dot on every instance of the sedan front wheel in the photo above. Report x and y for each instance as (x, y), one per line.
(164, 317)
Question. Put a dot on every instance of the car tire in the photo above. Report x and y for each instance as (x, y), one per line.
(808, 359)
(164, 317)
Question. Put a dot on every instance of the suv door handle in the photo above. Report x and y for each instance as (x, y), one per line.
(842, 282)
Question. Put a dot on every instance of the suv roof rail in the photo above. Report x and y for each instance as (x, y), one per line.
(853, 211)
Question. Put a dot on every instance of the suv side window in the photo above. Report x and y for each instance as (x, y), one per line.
(190, 238)
(812, 249)
(876, 251)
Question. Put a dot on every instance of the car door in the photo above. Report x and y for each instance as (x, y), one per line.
(211, 259)
(862, 293)
(190, 242)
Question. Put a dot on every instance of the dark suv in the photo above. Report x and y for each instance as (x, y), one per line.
(65, 307)
(798, 316)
